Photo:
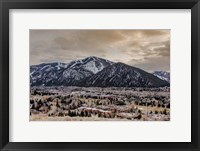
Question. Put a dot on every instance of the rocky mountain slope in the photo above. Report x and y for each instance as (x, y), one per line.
(93, 72)
(122, 75)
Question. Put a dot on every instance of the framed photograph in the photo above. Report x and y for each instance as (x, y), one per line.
(99, 75)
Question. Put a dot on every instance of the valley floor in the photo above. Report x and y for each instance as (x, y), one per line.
(99, 104)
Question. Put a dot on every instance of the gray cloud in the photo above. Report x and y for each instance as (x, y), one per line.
(152, 64)
(142, 48)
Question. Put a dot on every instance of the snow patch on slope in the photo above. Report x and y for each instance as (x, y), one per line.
(91, 66)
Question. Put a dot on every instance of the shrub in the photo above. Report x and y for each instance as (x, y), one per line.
(49, 107)
(86, 113)
(139, 116)
(31, 101)
(121, 103)
(89, 114)
(60, 114)
(63, 101)
(165, 111)
(168, 105)
(82, 113)
(72, 113)
(33, 106)
(57, 104)
(99, 114)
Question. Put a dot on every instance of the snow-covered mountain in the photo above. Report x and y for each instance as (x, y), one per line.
(92, 71)
(162, 75)
(122, 75)
(45, 73)
(66, 74)
(92, 64)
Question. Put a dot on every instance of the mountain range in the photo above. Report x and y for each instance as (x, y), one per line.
(95, 72)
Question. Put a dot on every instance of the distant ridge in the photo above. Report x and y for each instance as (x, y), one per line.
(162, 75)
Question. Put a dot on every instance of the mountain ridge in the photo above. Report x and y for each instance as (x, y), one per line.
(122, 75)
(83, 72)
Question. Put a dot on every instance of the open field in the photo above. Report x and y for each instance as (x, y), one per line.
(99, 104)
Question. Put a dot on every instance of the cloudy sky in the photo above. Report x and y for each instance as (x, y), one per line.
(146, 49)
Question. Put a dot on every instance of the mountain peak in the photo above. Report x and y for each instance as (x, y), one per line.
(92, 58)
(92, 71)
(95, 64)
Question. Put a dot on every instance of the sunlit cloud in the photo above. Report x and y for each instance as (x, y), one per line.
(146, 49)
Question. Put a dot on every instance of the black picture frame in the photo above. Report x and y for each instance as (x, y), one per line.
(5, 5)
